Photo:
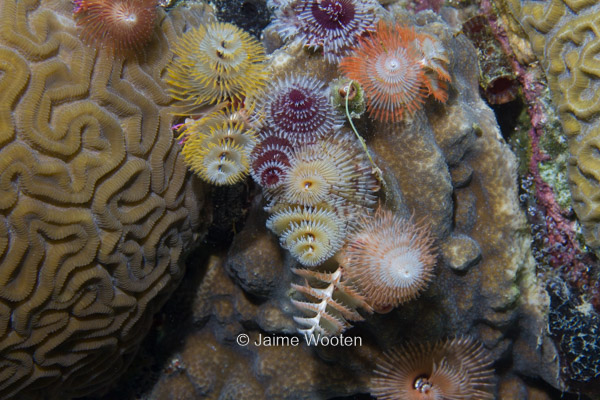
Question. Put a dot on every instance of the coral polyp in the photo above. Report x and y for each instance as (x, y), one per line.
(390, 259)
(214, 63)
(298, 107)
(397, 69)
(333, 25)
(456, 369)
(120, 26)
(311, 234)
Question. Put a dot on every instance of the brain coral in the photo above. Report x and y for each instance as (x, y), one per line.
(564, 35)
(96, 206)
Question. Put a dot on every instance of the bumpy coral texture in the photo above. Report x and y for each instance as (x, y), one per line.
(421, 162)
(96, 206)
(564, 36)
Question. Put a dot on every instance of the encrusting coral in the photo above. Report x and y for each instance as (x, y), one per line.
(448, 165)
(96, 204)
(455, 369)
(397, 68)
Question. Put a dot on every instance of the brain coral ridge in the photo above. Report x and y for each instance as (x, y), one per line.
(564, 36)
(96, 205)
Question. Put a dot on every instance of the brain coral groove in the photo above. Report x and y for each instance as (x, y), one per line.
(564, 36)
(96, 205)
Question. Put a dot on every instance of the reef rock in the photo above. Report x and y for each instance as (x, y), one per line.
(447, 166)
(96, 205)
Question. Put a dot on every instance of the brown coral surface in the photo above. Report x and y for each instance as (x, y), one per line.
(450, 167)
(96, 206)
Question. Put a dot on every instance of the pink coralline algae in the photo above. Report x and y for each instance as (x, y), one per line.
(554, 228)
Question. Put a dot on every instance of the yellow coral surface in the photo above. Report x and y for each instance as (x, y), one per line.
(96, 206)
(565, 37)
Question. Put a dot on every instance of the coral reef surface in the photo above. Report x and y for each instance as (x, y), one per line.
(449, 168)
(96, 205)
(563, 36)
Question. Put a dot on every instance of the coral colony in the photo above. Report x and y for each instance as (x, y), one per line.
(294, 136)
(318, 181)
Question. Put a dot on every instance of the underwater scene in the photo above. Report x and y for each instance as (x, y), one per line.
(299, 199)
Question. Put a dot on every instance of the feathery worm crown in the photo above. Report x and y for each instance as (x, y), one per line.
(311, 234)
(390, 259)
(298, 108)
(333, 25)
(453, 369)
(218, 147)
(397, 68)
(120, 26)
(215, 63)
